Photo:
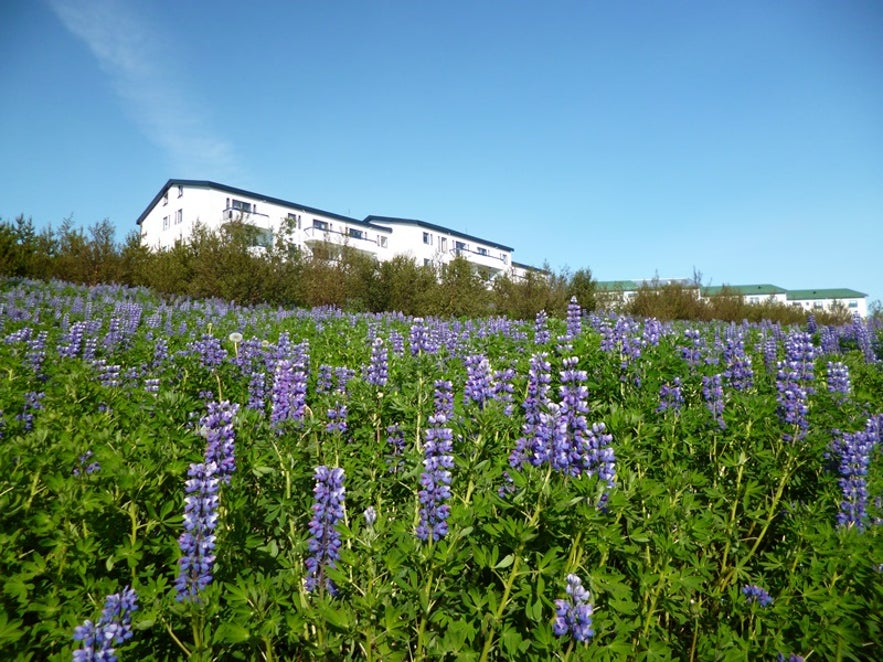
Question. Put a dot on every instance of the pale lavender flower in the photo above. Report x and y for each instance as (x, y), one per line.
(324, 543)
(573, 614)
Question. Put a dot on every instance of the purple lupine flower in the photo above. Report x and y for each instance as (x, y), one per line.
(569, 441)
(601, 459)
(151, 385)
(337, 418)
(829, 341)
(419, 339)
(160, 351)
(754, 593)
(98, 640)
(531, 447)
(791, 658)
(838, 378)
(84, 467)
(108, 375)
(862, 336)
(395, 437)
(197, 543)
(713, 394)
(738, 372)
(800, 355)
(288, 394)
(479, 385)
(370, 515)
(378, 369)
(324, 543)
(217, 428)
(574, 319)
(209, 350)
(257, 391)
(792, 398)
(70, 343)
(855, 450)
(325, 379)
(693, 351)
(503, 389)
(444, 398)
(36, 353)
(670, 396)
(573, 614)
(32, 404)
(541, 334)
(397, 341)
(435, 480)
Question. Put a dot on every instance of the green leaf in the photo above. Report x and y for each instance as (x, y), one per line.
(231, 633)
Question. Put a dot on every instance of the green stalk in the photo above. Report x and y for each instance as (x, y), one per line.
(742, 460)
(771, 514)
(513, 573)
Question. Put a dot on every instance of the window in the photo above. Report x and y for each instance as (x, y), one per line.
(459, 247)
(180, 191)
(853, 304)
(242, 206)
(426, 262)
(165, 198)
(505, 258)
(294, 219)
(179, 216)
(165, 222)
(382, 240)
(427, 238)
(321, 225)
(356, 234)
(443, 244)
(482, 250)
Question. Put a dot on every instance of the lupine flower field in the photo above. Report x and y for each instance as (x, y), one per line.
(187, 479)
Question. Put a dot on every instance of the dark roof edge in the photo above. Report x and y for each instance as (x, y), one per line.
(202, 183)
(373, 220)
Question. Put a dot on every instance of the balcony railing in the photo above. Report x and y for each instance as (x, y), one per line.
(232, 214)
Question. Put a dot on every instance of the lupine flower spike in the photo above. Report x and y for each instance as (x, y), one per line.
(573, 615)
(99, 640)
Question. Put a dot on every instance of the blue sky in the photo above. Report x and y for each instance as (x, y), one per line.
(744, 140)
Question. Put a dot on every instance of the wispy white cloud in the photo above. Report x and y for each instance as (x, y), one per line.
(130, 51)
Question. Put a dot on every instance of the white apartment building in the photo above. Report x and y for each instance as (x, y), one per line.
(174, 212)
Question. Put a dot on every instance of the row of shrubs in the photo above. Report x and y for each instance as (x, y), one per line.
(224, 264)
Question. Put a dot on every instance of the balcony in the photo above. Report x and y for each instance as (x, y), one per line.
(231, 214)
(334, 240)
(490, 261)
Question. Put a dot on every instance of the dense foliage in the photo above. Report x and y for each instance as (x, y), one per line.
(225, 264)
(215, 481)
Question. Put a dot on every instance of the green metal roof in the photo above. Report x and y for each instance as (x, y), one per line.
(834, 293)
(762, 289)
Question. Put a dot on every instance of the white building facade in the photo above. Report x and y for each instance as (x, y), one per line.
(181, 205)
